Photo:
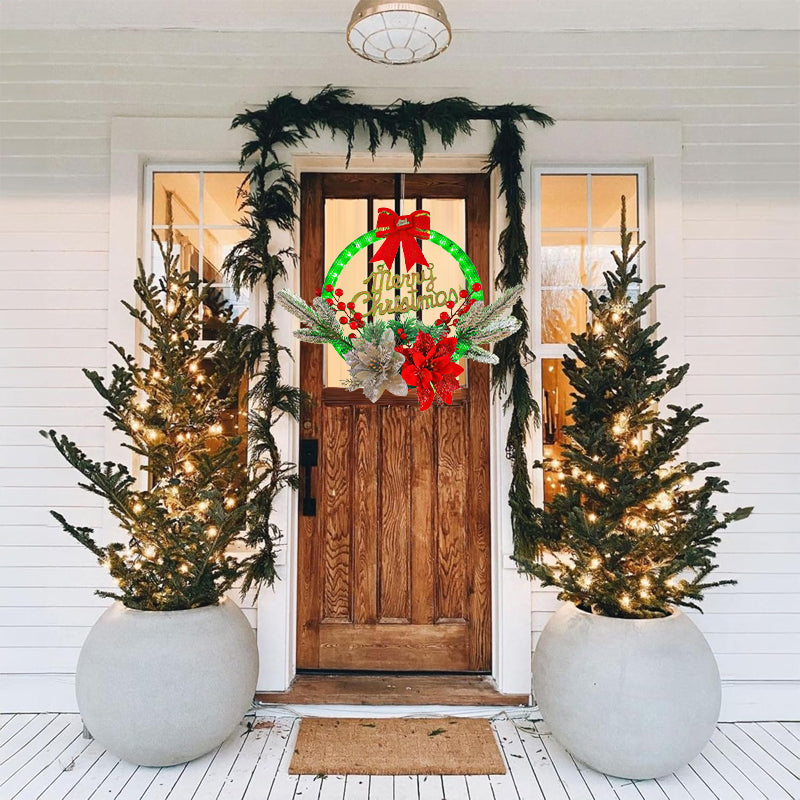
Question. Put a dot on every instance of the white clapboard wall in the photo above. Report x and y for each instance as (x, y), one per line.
(736, 95)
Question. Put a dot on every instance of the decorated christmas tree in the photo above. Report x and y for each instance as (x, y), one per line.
(177, 409)
(635, 528)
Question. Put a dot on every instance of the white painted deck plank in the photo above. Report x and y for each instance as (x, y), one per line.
(430, 788)
(221, 765)
(625, 789)
(503, 785)
(686, 784)
(650, 790)
(479, 787)
(29, 746)
(137, 784)
(93, 777)
(25, 736)
(568, 771)
(768, 785)
(455, 787)
(518, 764)
(675, 790)
(706, 772)
(266, 767)
(14, 783)
(405, 787)
(14, 724)
(774, 770)
(164, 782)
(191, 778)
(53, 770)
(72, 772)
(788, 752)
(793, 728)
(47, 758)
(732, 775)
(308, 788)
(116, 780)
(282, 740)
(243, 767)
(381, 786)
(535, 748)
(332, 788)
(356, 787)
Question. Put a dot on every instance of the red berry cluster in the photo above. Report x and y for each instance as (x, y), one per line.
(452, 317)
(350, 316)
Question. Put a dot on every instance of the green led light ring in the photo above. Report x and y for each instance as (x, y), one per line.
(366, 239)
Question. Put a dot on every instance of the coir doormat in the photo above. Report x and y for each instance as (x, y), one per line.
(443, 746)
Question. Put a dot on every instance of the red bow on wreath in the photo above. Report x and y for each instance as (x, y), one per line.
(402, 230)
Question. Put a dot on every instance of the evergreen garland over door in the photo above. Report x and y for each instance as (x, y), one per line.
(394, 568)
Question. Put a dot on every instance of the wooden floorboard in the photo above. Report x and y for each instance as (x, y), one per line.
(392, 689)
(44, 756)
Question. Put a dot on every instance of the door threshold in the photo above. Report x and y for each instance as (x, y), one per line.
(392, 689)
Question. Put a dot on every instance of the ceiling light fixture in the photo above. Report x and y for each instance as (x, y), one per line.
(398, 33)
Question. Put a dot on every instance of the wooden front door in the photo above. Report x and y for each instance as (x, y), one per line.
(394, 567)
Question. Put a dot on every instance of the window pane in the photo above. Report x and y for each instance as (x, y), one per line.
(217, 243)
(221, 198)
(345, 220)
(185, 189)
(184, 247)
(600, 258)
(563, 313)
(556, 401)
(606, 193)
(563, 259)
(448, 217)
(564, 201)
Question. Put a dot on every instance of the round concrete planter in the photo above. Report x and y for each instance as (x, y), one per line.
(162, 687)
(636, 698)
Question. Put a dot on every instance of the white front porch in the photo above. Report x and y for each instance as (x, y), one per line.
(45, 756)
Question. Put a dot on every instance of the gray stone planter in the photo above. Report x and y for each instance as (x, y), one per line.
(633, 698)
(163, 687)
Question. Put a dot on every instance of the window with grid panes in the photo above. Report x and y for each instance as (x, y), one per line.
(205, 214)
(577, 228)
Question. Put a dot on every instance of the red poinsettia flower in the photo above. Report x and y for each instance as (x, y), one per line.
(429, 368)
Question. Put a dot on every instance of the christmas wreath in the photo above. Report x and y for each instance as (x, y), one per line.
(395, 354)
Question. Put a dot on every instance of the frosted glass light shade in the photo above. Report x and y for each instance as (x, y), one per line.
(398, 33)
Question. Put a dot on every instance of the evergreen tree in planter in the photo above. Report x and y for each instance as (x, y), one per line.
(177, 409)
(635, 529)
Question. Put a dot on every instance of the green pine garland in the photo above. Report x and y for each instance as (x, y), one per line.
(270, 203)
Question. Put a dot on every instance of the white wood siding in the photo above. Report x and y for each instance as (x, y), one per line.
(737, 97)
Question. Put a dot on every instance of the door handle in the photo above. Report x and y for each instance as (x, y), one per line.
(309, 455)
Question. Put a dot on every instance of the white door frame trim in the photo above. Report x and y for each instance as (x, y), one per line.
(136, 142)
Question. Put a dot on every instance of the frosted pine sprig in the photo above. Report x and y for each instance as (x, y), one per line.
(477, 353)
(321, 318)
(488, 324)
(297, 307)
(494, 330)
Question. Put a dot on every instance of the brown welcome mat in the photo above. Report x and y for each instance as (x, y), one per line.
(443, 746)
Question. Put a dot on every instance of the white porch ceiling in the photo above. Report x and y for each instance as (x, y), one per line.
(332, 15)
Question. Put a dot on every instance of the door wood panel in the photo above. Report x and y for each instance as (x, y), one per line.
(394, 569)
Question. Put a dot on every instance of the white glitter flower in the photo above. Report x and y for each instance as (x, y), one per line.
(376, 368)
